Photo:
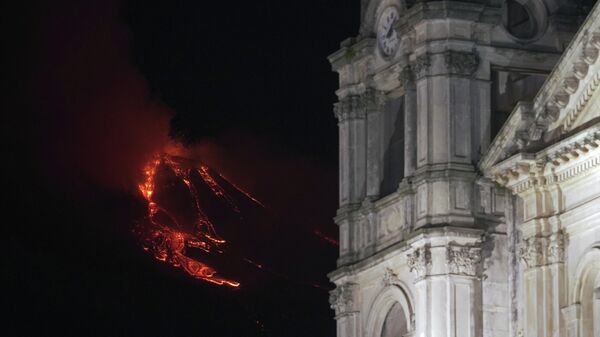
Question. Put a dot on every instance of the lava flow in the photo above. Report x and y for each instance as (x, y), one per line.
(166, 235)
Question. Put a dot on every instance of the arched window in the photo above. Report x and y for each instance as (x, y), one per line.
(391, 313)
(395, 324)
(587, 293)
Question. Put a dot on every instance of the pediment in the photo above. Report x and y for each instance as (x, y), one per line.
(568, 101)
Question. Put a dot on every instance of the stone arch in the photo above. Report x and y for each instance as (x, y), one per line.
(586, 291)
(386, 301)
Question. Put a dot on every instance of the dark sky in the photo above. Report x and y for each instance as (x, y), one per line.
(101, 85)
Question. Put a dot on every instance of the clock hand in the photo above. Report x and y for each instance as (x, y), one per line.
(389, 32)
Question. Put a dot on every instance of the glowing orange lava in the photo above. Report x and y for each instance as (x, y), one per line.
(166, 238)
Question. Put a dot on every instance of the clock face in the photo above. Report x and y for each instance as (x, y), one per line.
(386, 34)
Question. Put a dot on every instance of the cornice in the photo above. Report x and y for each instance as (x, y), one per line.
(511, 133)
(359, 106)
(350, 51)
(572, 115)
(430, 237)
(557, 163)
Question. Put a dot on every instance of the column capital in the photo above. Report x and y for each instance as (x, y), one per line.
(531, 252)
(556, 248)
(460, 62)
(349, 108)
(537, 251)
(373, 100)
(341, 298)
(419, 261)
(358, 106)
(407, 76)
(463, 260)
(421, 65)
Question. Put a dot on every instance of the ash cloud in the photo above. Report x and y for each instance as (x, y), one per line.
(98, 121)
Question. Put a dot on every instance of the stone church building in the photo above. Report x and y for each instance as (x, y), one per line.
(469, 137)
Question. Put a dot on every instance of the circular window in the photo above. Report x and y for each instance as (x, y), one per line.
(519, 21)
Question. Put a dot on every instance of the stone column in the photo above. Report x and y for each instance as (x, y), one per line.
(448, 288)
(407, 79)
(557, 288)
(445, 84)
(350, 113)
(532, 257)
(343, 301)
(544, 284)
(374, 102)
(421, 68)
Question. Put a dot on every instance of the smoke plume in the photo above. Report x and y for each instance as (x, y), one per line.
(99, 122)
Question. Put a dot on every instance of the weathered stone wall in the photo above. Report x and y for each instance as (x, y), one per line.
(483, 236)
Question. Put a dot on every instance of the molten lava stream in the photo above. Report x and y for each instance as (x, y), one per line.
(170, 236)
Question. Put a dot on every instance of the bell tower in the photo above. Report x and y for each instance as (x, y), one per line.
(423, 90)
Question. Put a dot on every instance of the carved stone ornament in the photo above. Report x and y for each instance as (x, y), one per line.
(419, 261)
(390, 277)
(373, 100)
(461, 63)
(341, 298)
(358, 106)
(463, 260)
(421, 65)
(349, 108)
(556, 248)
(406, 76)
(531, 252)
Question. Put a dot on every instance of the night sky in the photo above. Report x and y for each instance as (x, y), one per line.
(98, 87)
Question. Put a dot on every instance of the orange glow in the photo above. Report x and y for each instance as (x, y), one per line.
(165, 237)
(217, 190)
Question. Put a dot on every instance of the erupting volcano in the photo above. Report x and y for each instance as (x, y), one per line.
(176, 224)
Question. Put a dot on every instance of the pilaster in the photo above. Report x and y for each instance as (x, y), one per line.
(374, 101)
(343, 299)
(351, 113)
(448, 283)
(544, 278)
(407, 78)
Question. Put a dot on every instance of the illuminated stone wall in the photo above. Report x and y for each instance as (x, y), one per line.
(487, 119)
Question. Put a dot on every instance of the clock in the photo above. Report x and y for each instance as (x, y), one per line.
(386, 34)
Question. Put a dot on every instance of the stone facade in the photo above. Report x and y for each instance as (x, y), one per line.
(469, 170)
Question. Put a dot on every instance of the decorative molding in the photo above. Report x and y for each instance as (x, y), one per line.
(390, 278)
(349, 108)
(419, 261)
(461, 63)
(407, 76)
(358, 106)
(565, 160)
(508, 136)
(374, 100)
(463, 260)
(556, 248)
(584, 99)
(531, 252)
(421, 65)
(341, 298)
(540, 251)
